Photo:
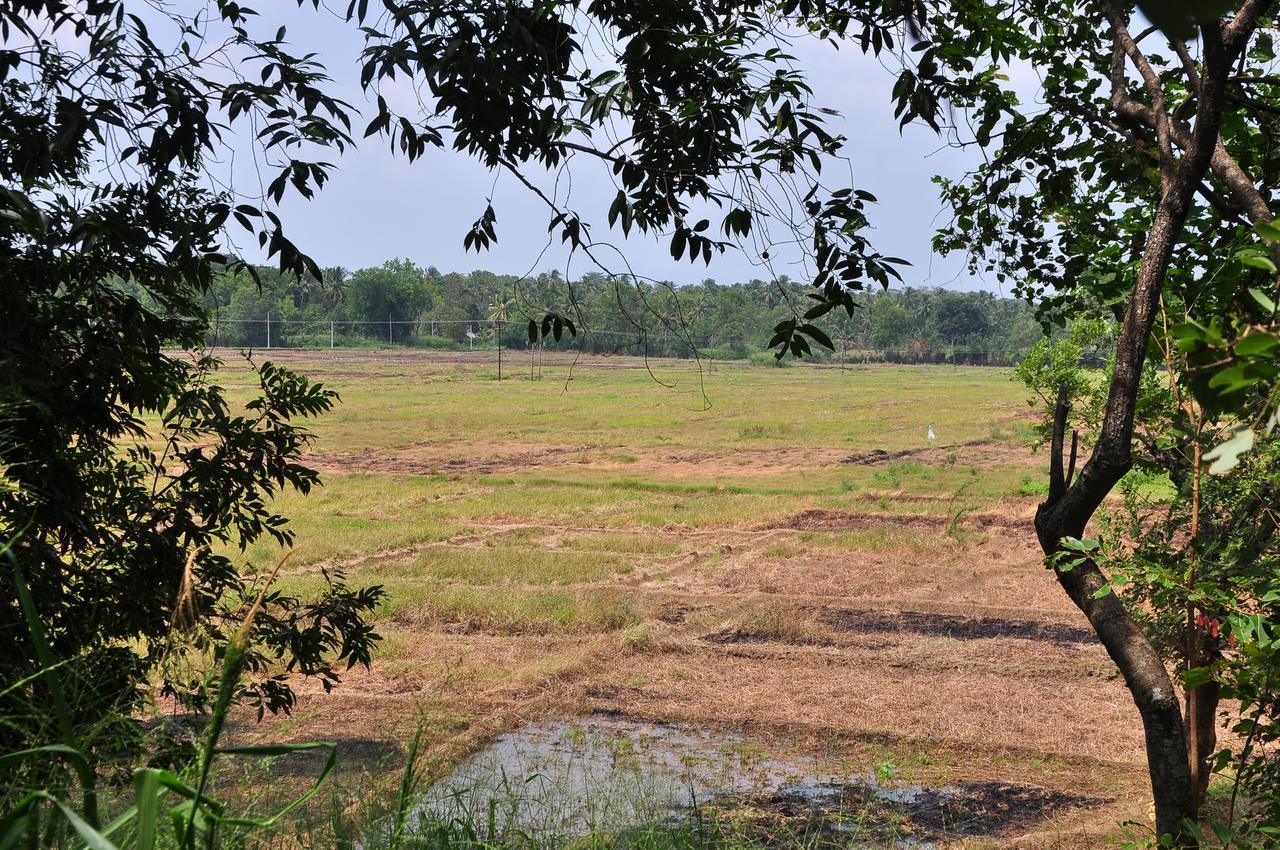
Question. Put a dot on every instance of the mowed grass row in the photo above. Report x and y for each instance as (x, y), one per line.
(551, 548)
(673, 405)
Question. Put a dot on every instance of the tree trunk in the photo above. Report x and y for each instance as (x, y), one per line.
(1072, 500)
(1152, 691)
(1202, 726)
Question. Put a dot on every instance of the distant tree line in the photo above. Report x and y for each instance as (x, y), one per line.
(401, 303)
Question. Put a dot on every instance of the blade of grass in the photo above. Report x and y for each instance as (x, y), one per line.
(26, 680)
(232, 666)
(282, 749)
(89, 834)
(35, 629)
(408, 783)
(147, 796)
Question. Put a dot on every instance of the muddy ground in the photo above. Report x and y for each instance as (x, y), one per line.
(952, 657)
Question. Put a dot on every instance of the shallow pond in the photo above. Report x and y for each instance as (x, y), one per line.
(552, 782)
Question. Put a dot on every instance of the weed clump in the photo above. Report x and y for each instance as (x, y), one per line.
(637, 638)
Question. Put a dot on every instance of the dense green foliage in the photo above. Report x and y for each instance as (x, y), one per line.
(127, 469)
(403, 304)
(1192, 550)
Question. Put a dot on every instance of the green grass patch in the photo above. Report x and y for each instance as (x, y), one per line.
(512, 611)
(526, 565)
(880, 538)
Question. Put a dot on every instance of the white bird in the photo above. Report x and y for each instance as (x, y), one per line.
(932, 436)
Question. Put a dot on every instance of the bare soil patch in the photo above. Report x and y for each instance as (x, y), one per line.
(925, 695)
(821, 519)
(424, 459)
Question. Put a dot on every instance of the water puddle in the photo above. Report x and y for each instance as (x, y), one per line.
(551, 783)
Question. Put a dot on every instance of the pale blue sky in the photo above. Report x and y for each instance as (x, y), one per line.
(380, 206)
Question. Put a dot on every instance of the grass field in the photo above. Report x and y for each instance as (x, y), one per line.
(777, 551)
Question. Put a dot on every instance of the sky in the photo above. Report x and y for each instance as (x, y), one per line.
(380, 206)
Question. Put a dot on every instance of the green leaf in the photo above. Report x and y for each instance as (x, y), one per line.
(1257, 344)
(817, 335)
(9, 760)
(1230, 379)
(1267, 230)
(1225, 456)
(1264, 301)
(146, 786)
(15, 817)
(677, 243)
(819, 310)
(1075, 544)
(1197, 676)
(1257, 262)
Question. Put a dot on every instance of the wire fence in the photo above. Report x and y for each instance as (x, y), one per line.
(272, 332)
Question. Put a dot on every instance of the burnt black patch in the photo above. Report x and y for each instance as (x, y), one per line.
(352, 752)
(871, 458)
(990, 808)
(833, 815)
(878, 456)
(954, 626)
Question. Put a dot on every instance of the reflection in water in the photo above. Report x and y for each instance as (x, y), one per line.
(604, 775)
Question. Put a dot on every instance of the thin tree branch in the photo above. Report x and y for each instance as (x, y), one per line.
(1057, 480)
(1071, 464)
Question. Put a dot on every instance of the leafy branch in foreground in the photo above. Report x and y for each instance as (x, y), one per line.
(42, 817)
(698, 117)
(1124, 183)
(121, 455)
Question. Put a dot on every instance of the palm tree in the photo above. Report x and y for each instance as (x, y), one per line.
(500, 313)
(333, 286)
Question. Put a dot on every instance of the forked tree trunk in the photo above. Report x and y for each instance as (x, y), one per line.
(1071, 503)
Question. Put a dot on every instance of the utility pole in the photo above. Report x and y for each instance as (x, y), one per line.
(331, 333)
(389, 340)
(268, 329)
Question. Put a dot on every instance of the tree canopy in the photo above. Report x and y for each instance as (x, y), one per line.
(129, 468)
(404, 304)
(1134, 186)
